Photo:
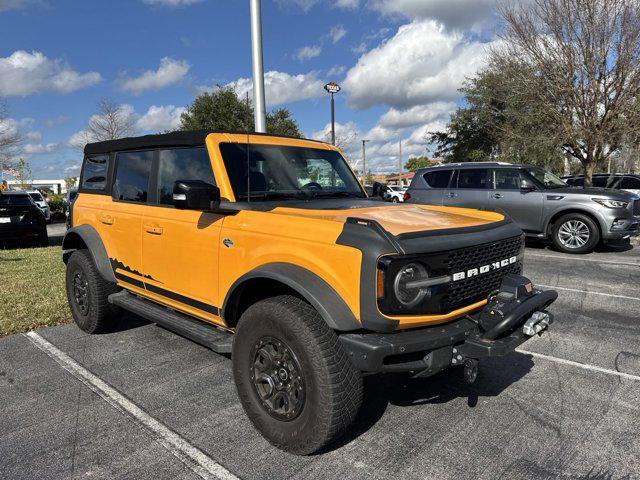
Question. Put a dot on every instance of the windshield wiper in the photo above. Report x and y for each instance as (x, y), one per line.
(274, 195)
(338, 194)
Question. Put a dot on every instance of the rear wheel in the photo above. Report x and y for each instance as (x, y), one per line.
(296, 383)
(576, 233)
(87, 293)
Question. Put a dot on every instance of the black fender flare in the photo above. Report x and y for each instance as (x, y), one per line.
(327, 302)
(89, 236)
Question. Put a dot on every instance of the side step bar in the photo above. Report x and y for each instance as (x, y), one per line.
(200, 332)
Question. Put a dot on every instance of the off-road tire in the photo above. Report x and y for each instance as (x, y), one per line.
(594, 233)
(99, 315)
(333, 386)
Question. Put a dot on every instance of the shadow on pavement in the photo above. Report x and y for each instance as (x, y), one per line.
(496, 374)
(609, 247)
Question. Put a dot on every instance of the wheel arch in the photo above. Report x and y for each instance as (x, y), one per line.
(277, 278)
(557, 215)
(87, 237)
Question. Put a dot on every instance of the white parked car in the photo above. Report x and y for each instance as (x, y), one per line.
(42, 204)
(395, 193)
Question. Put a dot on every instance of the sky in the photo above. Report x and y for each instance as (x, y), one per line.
(400, 64)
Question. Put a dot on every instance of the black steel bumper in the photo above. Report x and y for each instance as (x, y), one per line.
(426, 351)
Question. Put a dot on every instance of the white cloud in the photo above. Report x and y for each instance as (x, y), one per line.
(282, 88)
(33, 136)
(349, 4)
(360, 48)
(456, 14)
(10, 4)
(35, 149)
(337, 33)
(24, 73)
(308, 52)
(422, 63)
(160, 118)
(168, 73)
(420, 114)
(59, 120)
(171, 3)
(9, 128)
(336, 70)
(306, 5)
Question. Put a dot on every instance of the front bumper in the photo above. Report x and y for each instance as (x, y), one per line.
(427, 351)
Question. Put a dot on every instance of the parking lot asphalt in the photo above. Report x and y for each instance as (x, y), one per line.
(566, 405)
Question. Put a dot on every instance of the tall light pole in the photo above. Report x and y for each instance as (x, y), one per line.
(364, 160)
(333, 88)
(400, 164)
(260, 111)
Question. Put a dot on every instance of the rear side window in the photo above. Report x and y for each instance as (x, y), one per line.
(507, 179)
(438, 178)
(133, 170)
(575, 182)
(473, 178)
(630, 183)
(94, 173)
(600, 182)
(182, 164)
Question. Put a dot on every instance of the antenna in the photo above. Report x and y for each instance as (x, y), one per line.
(248, 155)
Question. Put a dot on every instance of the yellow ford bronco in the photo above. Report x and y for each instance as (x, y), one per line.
(268, 248)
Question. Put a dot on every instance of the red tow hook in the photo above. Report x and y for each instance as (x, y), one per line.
(406, 196)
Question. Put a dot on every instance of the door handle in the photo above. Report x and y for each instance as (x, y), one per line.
(153, 230)
(106, 219)
(498, 195)
(452, 195)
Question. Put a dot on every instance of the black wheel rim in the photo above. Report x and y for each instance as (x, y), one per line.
(80, 292)
(277, 378)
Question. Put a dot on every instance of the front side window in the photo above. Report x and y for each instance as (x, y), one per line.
(506, 179)
(548, 179)
(94, 173)
(262, 172)
(473, 178)
(181, 164)
(438, 178)
(132, 176)
(575, 182)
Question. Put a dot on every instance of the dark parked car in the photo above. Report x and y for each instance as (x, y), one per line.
(618, 181)
(542, 204)
(21, 221)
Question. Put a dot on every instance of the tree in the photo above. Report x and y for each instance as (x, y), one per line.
(70, 182)
(581, 70)
(25, 176)
(415, 163)
(112, 121)
(222, 110)
(10, 137)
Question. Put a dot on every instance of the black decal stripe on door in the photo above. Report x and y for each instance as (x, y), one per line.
(205, 307)
(129, 280)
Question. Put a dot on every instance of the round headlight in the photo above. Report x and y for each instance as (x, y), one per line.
(407, 294)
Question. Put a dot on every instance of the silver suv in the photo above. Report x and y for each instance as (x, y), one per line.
(543, 205)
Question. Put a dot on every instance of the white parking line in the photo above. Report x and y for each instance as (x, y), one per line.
(584, 366)
(194, 458)
(555, 287)
(581, 259)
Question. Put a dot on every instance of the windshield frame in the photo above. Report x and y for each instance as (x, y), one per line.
(352, 186)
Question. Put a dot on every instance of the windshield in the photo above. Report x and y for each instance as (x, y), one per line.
(548, 179)
(20, 200)
(269, 172)
(36, 197)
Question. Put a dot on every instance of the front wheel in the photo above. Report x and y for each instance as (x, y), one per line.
(576, 233)
(296, 383)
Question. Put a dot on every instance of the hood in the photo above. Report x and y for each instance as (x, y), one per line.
(594, 191)
(401, 219)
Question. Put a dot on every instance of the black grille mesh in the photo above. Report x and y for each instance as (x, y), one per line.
(474, 289)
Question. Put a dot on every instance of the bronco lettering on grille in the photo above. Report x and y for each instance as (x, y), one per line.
(474, 272)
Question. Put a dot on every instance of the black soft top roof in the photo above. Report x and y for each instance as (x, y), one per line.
(173, 139)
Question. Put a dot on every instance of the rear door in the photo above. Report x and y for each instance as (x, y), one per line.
(469, 188)
(522, 206)
(429, 187)
(181, 247)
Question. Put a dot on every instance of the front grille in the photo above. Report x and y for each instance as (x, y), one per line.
(471, 290)
(636, 207)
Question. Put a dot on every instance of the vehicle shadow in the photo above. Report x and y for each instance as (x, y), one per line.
(610, 247)
(400, 390)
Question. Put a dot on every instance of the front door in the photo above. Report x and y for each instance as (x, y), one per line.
(469, 188)
(181, 247)
(524, 207)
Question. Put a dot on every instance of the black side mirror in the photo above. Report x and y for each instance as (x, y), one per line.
(527, 185)
(196, 195)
